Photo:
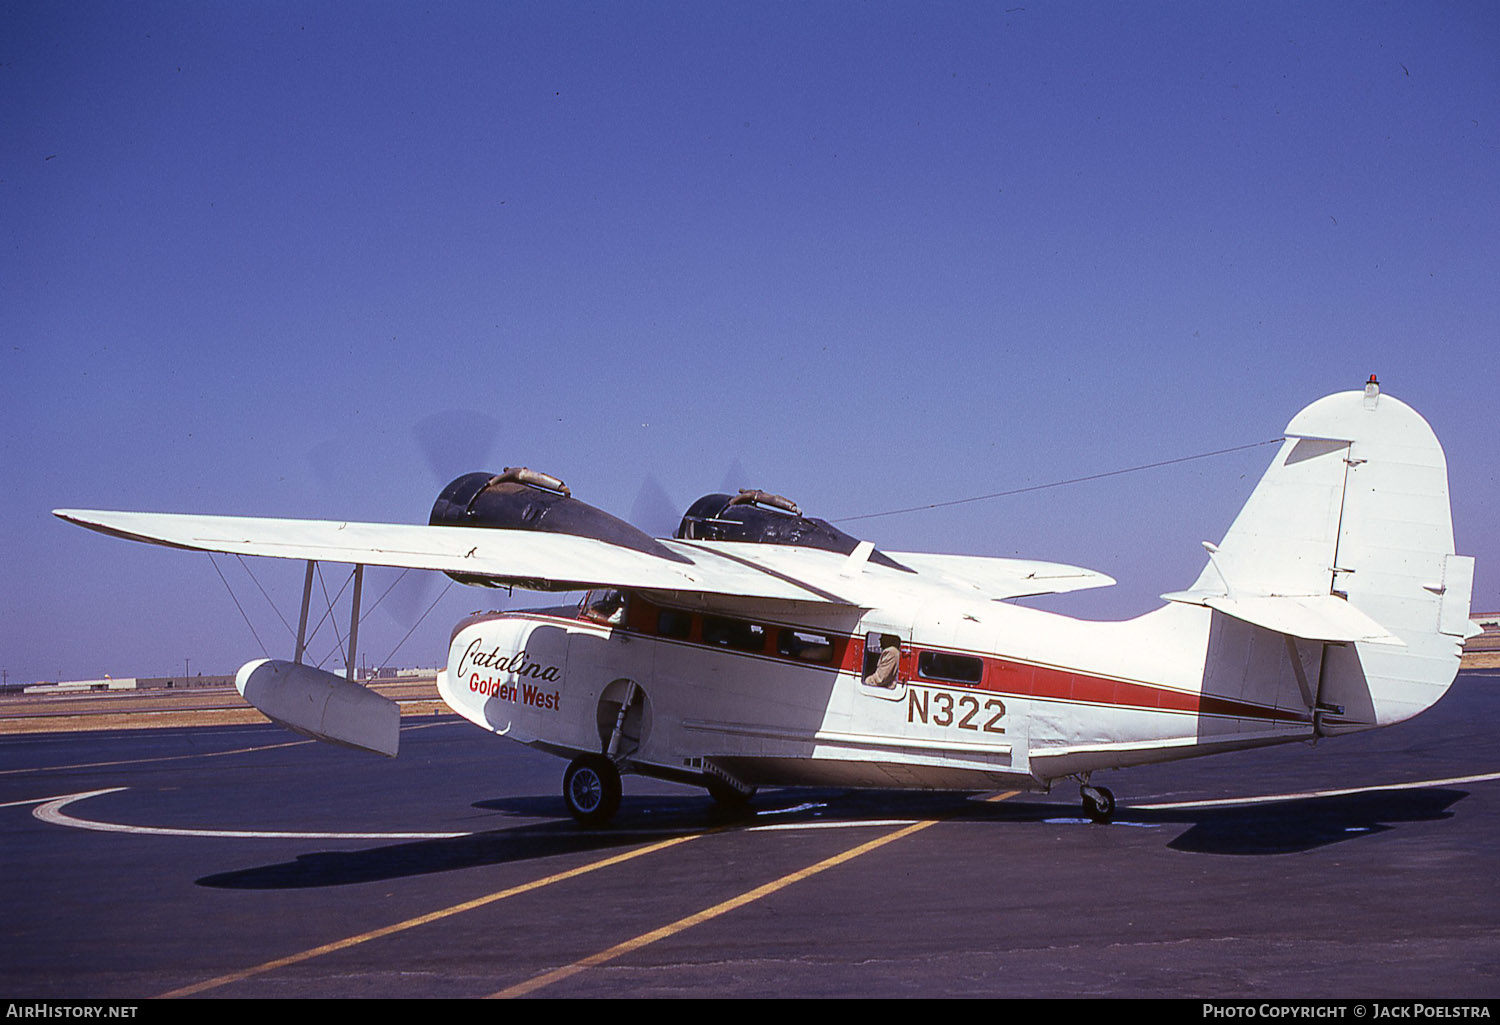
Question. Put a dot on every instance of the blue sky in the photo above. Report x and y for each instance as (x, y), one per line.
(868, 255)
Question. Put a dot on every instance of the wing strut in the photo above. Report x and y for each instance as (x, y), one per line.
(302, 622)
(359, 579)
(320, 704)
(350, 665)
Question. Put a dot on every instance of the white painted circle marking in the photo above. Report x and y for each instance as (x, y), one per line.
(52, 811)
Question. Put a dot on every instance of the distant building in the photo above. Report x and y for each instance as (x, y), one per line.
(1490, 639)
(128, 683)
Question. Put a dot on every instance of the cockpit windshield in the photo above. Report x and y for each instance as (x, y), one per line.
(603, 606)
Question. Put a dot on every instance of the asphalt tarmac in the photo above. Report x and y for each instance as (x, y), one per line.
(243, 861)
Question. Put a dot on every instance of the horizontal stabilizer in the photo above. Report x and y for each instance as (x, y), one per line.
(1311, 617)
(321, 705)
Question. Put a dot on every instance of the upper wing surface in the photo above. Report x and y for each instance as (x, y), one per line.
(996, 579)
(531, 559)
(557, 562)
(862, 582)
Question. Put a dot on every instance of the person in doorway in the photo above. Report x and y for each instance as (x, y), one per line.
(890, 660)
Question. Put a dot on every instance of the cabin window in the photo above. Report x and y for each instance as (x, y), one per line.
(734, 633)
(606, 607)
(940, 665)
(804, 646)
(674, 623)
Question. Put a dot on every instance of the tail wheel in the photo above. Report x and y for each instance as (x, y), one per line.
(1098, 803)
(591, 789)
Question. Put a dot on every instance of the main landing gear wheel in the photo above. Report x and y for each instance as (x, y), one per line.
(591, 789)
(1098, 803)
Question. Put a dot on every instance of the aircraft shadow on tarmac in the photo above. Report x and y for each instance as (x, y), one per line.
(1295, 826)
(640, 820)
(1282, 827)
(1279, 828)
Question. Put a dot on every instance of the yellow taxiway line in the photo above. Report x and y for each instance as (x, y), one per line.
(412, 923)
(557, 974)
(724, 907)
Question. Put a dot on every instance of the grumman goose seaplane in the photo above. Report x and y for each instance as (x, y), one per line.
(760, 647)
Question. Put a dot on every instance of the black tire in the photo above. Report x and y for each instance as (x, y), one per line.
(1102, 808)
(591, 789)
(726, 796)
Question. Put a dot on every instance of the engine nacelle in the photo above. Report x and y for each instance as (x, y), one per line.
(524, 499)
(763, 518)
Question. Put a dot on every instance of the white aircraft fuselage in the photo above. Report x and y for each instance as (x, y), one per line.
(988, 695)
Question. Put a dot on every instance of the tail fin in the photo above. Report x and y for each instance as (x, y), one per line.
(1348, 541)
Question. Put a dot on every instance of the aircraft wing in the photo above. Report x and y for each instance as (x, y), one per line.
(525, 558)
(543, 561)
(997, 579)
(979, 578)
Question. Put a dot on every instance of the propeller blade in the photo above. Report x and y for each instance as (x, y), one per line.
(654, 511)
(735, 477)
(403, 596)
(456, 442)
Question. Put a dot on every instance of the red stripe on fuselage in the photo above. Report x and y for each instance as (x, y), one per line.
(1002, 676)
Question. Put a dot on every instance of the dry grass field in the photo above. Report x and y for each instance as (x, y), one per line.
(201, 706)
